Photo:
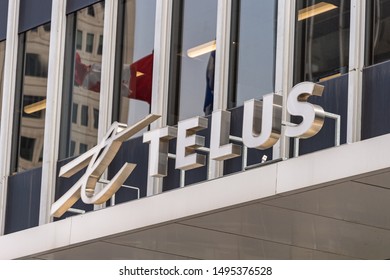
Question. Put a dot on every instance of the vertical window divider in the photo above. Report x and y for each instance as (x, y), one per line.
(53, 109)
(10, 70)
(107, 75)
(356, 63)
(284, 64)
(160, 83)
(221, 82)
(108, 67)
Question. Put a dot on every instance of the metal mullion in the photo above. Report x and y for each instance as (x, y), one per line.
(53, 109)
(222, 60)
(10, 71)
(356, 63)
(160, 85)
(284, 65)
(108, 66)
(107, 75)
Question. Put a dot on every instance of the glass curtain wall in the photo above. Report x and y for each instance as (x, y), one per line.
(191, 85)
(322, 56)
(321, 39)
(31, 104)
(82, 76)
(252, 50)
(133, 95)
(252, 66)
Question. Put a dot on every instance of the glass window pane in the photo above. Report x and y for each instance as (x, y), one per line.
(31, 115)
(252, 50)
(134, 94)
(192, 61)
(82, 91)
(321, 55)
(321, 39)
(378, 31)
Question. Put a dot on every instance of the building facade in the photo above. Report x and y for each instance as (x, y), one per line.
(188, 70)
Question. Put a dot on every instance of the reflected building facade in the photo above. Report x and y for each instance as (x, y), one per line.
(81, 115)
(31, 115)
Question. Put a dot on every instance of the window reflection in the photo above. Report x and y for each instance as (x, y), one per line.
(321, 39)
(136, 49)
(31, 115)
(378, 31)
(83, 93)
(192, 59)
(252, 50)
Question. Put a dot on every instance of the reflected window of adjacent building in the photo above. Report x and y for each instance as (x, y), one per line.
(89, 46)
(193, 47)
(2, 57)
(84, 115)
(95, 118)
(378, 31)
(31, 103)
(91, 11)
(83, 148)
(100, 46)
(72, 147)
(27, 148)
(133, 94)
(82, 74)
(252, 61)
(321, 39)
(79, 40)
(74, 112)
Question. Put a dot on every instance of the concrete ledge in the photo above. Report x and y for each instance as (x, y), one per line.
(282, 178)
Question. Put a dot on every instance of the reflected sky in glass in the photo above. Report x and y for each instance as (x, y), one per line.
(138, 43)
(199, 27)
(256, 56)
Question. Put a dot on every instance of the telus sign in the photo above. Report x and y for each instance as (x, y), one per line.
(262, 128)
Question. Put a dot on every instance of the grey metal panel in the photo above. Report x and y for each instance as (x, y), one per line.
(193, 176)
(23, 200)
(132, 151)
(254, 155)
(3, 19)
(34, 13)
(334, 99)
(74, 5)
(64, 184)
